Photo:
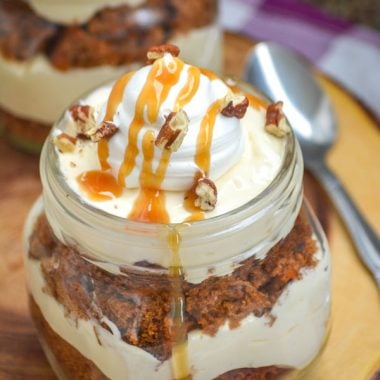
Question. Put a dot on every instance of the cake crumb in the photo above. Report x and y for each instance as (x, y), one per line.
(253, 287)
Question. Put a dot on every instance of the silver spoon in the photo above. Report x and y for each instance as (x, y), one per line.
(283, 75)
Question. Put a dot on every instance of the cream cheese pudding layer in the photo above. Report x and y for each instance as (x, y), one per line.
(171, 241)
(74, 46)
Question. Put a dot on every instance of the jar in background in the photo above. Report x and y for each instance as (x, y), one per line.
(240, 295)
(51, 52)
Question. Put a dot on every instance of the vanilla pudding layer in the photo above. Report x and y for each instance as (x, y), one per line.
(71, 11)
(36, 90)
(293, 340)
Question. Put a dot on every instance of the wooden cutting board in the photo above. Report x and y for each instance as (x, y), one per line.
(353, 348)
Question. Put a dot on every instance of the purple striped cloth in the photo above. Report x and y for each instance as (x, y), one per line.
(348, 53)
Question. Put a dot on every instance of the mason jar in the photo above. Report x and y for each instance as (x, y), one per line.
(51, 52)
(242, 295)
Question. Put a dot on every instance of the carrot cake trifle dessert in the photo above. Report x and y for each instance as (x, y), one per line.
(171, 240)
(75, 45)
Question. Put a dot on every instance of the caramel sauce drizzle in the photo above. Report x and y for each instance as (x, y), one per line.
(256, 102)
(203, 152)
(150, 207)
(209, 74)
(160, 80)
(180, 360)
(150, 203)
(189, 90)
(114, 100)
(99, 185)
(204, 140)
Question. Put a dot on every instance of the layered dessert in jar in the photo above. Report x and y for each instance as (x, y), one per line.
(171, 241)
(52, 51)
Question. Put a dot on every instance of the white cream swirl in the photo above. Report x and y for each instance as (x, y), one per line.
(227, 139)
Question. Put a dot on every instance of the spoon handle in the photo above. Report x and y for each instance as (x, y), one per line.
(364, 237)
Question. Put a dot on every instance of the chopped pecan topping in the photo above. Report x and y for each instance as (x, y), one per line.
(81, 114)
(157, 52)
(173, 132)
(275, 120)
(235, 105)
(107, 130)
(65, 143)
(207, 194)
(86, 126)
(84, 118)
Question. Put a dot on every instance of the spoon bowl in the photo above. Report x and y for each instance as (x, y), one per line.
(283, 75)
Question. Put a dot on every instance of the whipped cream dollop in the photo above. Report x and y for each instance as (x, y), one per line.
(227, 139)
(223, 159)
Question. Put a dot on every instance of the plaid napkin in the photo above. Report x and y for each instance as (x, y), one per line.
(348, 53)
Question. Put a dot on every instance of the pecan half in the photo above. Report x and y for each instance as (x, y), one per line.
(65, 143)
(275, 120)
(106, 130)
(157, 52)
(173, 132)
(84, 118)
(207, 194)
(235, 105)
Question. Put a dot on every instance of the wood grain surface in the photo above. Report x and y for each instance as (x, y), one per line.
(353, 348)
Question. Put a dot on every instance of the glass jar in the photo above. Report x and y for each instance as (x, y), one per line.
(51, 52)
(240, 295)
